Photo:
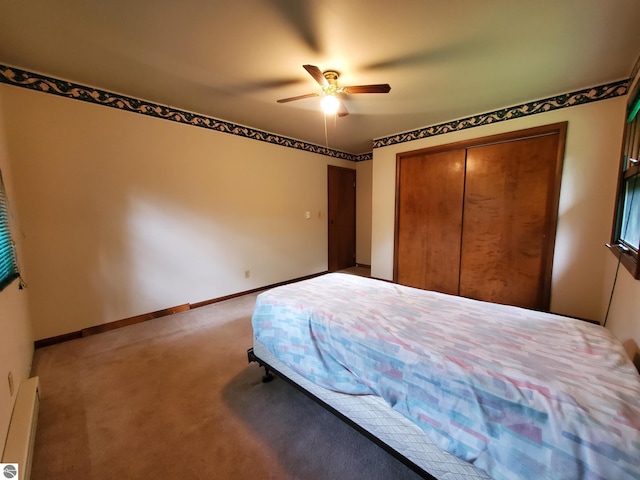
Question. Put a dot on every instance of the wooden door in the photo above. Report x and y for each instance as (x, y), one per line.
(510, 212)
(478, 218)
(429, 220)
(341, 218)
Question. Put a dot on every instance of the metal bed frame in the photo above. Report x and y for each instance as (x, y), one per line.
(269, 376)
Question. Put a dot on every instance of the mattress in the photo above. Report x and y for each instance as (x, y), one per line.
(372, 414)
(518, 393)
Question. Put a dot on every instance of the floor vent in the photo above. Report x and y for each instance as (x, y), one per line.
(22, 428)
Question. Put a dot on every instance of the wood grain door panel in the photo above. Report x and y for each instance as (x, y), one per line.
(429, 219)
(509, 193)
(341, 218)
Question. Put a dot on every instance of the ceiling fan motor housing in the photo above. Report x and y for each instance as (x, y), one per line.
(332, 82)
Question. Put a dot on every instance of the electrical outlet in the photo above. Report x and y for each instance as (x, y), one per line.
(247, 273)
(10, 380)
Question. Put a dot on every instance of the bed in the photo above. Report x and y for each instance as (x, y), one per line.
(457, 388)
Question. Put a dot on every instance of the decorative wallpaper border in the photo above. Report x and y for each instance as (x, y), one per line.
(587, 95)
(22, 78)
(362, 157)
(41, 83)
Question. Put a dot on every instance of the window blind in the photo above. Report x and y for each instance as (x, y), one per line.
(8, 267)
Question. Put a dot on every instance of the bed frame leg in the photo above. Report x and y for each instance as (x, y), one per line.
(268, 376)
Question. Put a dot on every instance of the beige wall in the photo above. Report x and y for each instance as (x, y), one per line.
(125, 214)
(624, 315)
(16, 344)
(582, 269)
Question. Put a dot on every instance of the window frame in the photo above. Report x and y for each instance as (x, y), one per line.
(8, 262)
(627, 254)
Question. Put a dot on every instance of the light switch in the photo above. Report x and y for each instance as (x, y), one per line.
(307, 215)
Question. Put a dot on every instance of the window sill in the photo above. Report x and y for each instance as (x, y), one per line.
(628, 259)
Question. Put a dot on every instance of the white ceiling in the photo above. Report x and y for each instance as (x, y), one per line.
(233, 59)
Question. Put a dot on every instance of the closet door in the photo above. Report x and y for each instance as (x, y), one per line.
(510, 213)
(429, 219)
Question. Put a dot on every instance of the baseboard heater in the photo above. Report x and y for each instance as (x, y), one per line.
(22, 428)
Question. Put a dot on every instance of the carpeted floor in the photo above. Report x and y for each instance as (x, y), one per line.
(175, 397)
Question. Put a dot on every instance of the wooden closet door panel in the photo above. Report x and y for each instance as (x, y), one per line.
(509, 193)
(429, 209)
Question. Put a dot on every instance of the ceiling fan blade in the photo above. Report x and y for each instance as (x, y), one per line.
(299, 97)
(316, 74)
(379, 88)
(342, 110)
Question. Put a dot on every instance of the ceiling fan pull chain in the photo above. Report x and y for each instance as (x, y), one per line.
(326, 136)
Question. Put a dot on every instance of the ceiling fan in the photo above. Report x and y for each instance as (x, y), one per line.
(329, 82)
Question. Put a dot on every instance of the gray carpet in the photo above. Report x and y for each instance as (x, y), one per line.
(175, 397)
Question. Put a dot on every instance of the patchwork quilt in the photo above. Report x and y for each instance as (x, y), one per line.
(518, 393)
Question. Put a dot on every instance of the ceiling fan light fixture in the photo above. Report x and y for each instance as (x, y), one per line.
(330, 104)
(328, 82)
